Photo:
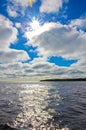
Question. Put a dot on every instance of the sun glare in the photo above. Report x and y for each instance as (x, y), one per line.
(35, 25)
(34, 28)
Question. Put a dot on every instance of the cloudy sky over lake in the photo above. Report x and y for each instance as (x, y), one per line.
(47, 39)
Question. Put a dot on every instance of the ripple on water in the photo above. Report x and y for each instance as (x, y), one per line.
(37, 106)
(47, 106)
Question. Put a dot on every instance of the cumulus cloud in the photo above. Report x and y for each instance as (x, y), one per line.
(8, 35)
(79, 24)
(38, 67)
(61, 40)
(43, 68)
(50, 6)
(46, 6)
(80, 65)
(68, 41)
(9, 58)
(13, 56)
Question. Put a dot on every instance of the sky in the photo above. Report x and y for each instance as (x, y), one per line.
(45, 40)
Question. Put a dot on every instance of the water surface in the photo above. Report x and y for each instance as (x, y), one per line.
(36, 105)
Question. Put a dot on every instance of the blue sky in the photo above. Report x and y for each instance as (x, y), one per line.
(45, 40)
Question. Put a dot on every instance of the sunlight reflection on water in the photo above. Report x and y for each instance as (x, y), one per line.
(43, 106)
(37, 106)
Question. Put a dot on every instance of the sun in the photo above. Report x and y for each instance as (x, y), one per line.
(35, 28)
(35, 25)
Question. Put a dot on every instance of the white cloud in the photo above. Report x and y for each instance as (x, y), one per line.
(17, 7)
(80, 65)
(51, 39)
(8, 36)
(38, 67)
(79, 24)
(13, 56)
(23, 3)
(8, 56)
(11, 11)
(8, 33)
(37, 31)
(60, 40)
(18, 25)
(45, 69)
(68, 41)
(50, 6)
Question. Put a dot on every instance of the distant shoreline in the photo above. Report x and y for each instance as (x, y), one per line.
(77, 79)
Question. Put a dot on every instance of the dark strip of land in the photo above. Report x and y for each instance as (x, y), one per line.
(77, 79)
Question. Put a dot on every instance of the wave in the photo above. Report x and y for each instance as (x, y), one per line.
(6, 127)
(42, 127)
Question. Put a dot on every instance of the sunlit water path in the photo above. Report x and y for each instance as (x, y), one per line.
(43, 105)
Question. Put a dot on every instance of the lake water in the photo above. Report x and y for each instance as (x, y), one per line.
(43, 105)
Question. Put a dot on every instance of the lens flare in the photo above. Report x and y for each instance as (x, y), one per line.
(31, 3)
(35, 25)
(34, 28)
